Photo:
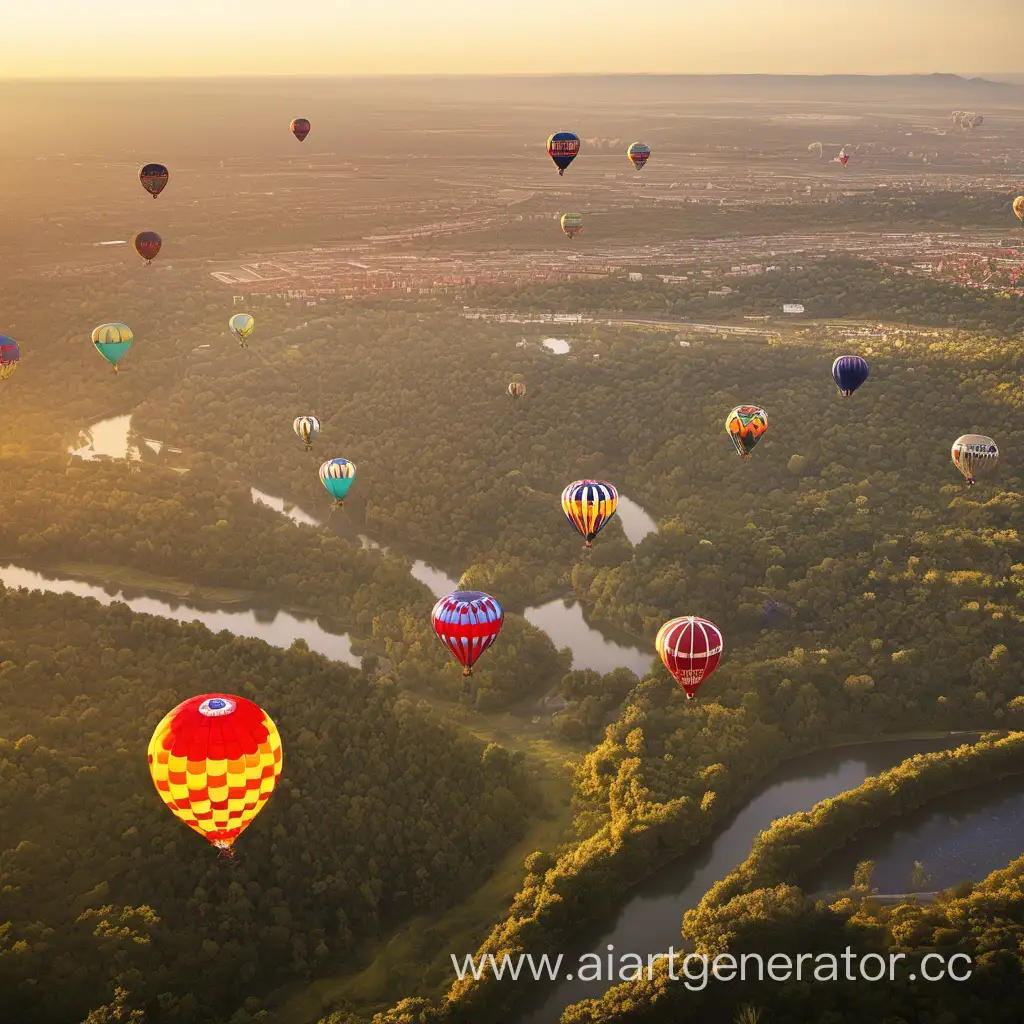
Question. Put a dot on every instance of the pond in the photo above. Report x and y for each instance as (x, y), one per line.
(557, 345)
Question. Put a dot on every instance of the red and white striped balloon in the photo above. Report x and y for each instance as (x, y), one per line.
(690, 648)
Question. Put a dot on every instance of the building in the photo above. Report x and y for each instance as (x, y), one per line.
(792, 308)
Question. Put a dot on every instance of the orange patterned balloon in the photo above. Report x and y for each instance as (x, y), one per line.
(215, 759)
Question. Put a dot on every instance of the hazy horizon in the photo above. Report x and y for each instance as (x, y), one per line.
(112, 37)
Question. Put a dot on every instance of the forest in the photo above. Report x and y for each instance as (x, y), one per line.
(381, 813)
(759, 907)
(860, 586)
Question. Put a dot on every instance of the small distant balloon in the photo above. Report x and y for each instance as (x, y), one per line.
(572, 224)
(517, 389)
(849, 372)
(974, 454)
(10, 355)
(112, 341)
(844, 158)
(1018, 208)
(338, 475)
(154, 178)
(639, 153)
(563, 148)
(746, 425)
(307, 428)
(300, 128)
(242, 325)
(147, 245)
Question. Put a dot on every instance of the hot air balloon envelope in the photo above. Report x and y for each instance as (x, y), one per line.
(589, 505)
(1018, 207)
(307, 428)
(147, 244)
(467, 622)
(112, 341)
(746, 425)
(849, 372)
(517, 389)
(690, 648)
(242, 325)
(572, 224)
(974, 454)
(300, 128)
(562, 148)
(154, 178)
(215, 759)
(337, 475)
(10, 355)
(639, 153)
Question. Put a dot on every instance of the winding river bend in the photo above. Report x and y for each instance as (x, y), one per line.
(649, 920)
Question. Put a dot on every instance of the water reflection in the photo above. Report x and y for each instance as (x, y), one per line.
(557, 345)
(636, 523)
(438, 582)
(279, 628)
(293, 512)
(109, 439)
(962, 837)
(563, 621)
(650, 920)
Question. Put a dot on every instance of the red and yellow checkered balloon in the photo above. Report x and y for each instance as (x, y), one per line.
(215, 759)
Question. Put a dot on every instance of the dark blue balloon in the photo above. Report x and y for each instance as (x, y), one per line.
(849, 373)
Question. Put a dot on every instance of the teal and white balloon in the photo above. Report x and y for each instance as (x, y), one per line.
(337, 475)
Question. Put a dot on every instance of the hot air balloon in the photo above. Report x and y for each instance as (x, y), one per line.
(1018, 207)
(562, 148)
(690, 649)
(844, 158)
(215, 759)
(588, 505)
(154, 178)
(307, 428)
(849, 372)
(572, 224)
(816, 146)
(300, 128)
(242, 325)
(467, 622)
(746, 424)
(337, 476)
(639, 153)
(112, 341)
(974, 454)
(10, 355)
(147, 245)
(517, 389)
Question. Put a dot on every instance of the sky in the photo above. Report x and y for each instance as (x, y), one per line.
(139, 39)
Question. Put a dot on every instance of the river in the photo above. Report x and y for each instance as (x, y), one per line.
(279, 628)
(961, 837)
(599, 649)
(649, 921)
